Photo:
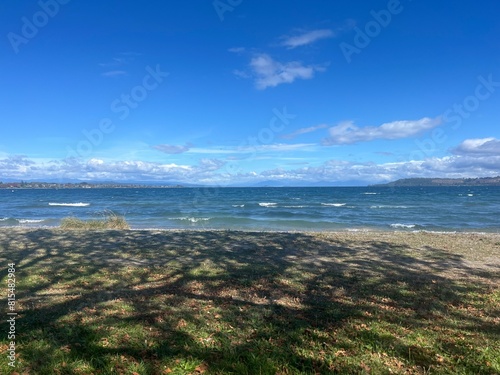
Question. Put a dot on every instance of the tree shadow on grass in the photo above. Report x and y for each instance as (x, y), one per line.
(237, 302)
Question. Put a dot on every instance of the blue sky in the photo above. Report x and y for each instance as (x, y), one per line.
(241, 92)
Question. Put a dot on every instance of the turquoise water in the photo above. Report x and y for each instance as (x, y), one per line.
(323, 208)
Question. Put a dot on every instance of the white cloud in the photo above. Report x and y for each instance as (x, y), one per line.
(478, 146)
(173, 149)
(250, 148)
(116, 64)
(123, 58)
(307, 38)
(271, 73)
(15, 162)
(116, 61)
(208, 151)
(211, 164)
(96, 169)
(278, 147)
(469, 163)
(348, 133)
(338, 171)
(304, 131)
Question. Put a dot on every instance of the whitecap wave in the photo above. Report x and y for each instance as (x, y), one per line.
(398, 225)
(267, 204)
(388, 206)
(30, 221)
(238, 205)
(79, 204)
(334, 204)
(194, 219)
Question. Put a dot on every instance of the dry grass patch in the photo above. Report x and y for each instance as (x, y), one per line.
(111, 221)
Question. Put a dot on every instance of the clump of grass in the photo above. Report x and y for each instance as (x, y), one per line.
(110, 221)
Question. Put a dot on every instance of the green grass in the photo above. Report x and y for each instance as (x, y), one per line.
(247, 303)
(110, 221)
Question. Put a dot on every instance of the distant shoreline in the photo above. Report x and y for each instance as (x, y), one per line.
(54, 186)
(405, 182)
(442, 182)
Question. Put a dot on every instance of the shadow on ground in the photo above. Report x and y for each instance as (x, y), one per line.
(237, 302)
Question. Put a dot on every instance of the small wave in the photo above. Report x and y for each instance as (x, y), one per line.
(397, 225)
(15, 222)
(470, 195)
(294, 206)
(9, 222)
(387, 206)
(30, 221)
(80, 204)
(194, 219)
(334, 204)
(370, 193)
(238, 205)
(267, 204)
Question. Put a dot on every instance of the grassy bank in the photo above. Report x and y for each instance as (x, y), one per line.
(186, 302)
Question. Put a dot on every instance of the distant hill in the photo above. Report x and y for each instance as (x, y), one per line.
(483, 181)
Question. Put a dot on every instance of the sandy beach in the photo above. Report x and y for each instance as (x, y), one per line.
(301, 302)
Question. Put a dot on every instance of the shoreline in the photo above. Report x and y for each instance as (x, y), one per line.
(256, 230)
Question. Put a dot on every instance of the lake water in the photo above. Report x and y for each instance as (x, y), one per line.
(317, 209)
